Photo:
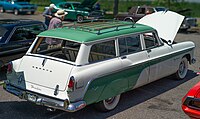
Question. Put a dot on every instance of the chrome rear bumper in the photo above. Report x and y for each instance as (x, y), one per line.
(44, 100)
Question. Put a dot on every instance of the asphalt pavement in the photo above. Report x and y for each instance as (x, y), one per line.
(158, 100)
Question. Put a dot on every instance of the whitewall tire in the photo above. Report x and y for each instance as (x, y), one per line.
(182, 69)
(108, 104)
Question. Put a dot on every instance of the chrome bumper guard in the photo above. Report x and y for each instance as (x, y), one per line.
(45, 101)
(193, 61)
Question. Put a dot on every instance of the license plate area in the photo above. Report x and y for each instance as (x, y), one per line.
(31, 97)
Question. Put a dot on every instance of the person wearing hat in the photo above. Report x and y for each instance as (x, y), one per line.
(56, 21)
(48, 14)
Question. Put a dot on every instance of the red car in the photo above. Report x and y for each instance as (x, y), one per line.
(191, 102)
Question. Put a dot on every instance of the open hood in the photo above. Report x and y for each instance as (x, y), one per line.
(166, 23)
(84, 3)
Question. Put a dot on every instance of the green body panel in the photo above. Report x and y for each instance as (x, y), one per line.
(81, 36)
(120, 81)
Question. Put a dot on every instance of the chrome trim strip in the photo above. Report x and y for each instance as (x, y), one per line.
(46, 101)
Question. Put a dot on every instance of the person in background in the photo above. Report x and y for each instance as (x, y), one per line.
(56, 21)
(97, 6)
(48, 14)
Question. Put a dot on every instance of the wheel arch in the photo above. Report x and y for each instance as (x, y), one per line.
(188, 57)
(126, 18)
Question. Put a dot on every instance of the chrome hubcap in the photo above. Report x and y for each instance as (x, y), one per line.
(110, 100)
(182, 68)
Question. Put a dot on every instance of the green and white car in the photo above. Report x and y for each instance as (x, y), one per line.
(95, 62)
(79, 11)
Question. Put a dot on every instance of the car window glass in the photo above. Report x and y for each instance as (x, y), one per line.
(141, 11)
(27, 32)
(58, 48)
(102, 51)
(2, 32)
(66, 6)
(129, 44)
(76, 5)
(150, 10)
(150, 40)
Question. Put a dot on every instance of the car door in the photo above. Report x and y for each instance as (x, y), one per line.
(157, 56)
(141, 12)
(8, 5)
(134, 60)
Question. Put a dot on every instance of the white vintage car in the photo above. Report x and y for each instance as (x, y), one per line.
(94, 62)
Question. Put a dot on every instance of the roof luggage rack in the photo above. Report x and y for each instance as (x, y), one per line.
(98, 25)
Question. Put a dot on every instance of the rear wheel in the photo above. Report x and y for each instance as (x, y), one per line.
(79, 18)
(16, 12)
(183, 68)
(1, 9)
(108, 104)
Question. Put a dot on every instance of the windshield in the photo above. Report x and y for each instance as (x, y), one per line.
(76, 5)
(2, 32)
(57, 48)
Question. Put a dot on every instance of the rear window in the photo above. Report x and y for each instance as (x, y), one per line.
(57, 48)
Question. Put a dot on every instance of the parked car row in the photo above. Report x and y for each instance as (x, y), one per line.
(95, 62)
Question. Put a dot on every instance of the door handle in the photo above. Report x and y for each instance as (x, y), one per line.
(123, 57)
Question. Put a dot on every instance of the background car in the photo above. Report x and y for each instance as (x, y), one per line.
(79, 10)
(17, 6)
(135, 13)
(191, 102)
(16, 36)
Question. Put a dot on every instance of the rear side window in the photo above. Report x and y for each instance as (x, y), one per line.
(102, 51)
(129, 44)
(141, 11)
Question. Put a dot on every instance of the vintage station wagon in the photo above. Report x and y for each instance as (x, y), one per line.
(94, 62)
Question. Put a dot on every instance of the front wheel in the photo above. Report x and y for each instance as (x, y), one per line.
(1, 9)
(183, 68)
(79, 18)
(108, 104)
(16, 12)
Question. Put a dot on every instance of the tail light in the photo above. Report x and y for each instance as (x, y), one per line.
(71, 84)
(9, 67)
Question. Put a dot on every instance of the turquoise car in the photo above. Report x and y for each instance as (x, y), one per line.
(79, 11)
(17, 6)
